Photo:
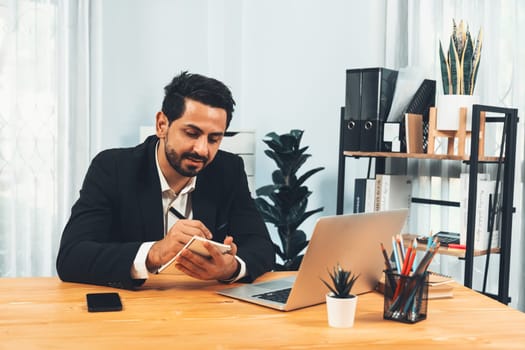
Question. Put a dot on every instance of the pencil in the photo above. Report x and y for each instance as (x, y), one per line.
(396, 255)
(399, 241)
(405, 262)
(391, 279)
(411, 261)
(402, 246)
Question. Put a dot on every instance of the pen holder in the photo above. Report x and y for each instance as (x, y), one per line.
(405, 297)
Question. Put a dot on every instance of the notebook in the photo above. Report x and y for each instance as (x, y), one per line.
(352, 240)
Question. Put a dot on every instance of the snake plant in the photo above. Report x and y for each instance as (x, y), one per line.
(459, 68)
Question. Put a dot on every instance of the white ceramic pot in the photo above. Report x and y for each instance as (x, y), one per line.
(448, 110)
(341, 311)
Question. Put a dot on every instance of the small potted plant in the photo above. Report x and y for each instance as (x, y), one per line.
(459, 71)
(340, 302)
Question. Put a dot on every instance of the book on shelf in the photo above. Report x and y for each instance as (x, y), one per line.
(370, 195)
(394, 192)
(364, 192)
(359, 195)
(453, 214)
(377, 194)
(484, 200)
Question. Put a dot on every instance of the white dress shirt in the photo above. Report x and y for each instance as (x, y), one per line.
(182, 203)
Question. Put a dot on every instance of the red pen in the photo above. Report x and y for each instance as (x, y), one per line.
(456, 246)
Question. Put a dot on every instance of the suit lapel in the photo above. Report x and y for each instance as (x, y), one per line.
(203, 203)
(149, 196)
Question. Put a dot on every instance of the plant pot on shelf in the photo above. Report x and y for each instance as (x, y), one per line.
(341, 311)
(448, 107)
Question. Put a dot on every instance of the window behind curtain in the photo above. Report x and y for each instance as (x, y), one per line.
(28, 137)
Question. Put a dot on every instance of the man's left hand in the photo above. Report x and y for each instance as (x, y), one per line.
(217, 267)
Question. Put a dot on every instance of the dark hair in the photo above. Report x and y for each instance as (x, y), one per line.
(199, 88)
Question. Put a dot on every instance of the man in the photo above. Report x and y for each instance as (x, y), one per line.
(139, 206)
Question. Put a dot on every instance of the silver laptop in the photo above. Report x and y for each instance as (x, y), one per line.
(352, 240)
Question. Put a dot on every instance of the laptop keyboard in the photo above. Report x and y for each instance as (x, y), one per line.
(279, 296)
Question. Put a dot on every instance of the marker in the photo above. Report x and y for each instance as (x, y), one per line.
(456, 246)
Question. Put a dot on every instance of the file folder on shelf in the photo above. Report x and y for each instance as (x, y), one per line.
(351, 129)
(369, 94)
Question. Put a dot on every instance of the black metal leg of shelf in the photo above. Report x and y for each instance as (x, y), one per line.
(494, 204)
(507, 209)
(507, 206)
(472, 197)
(341, 169)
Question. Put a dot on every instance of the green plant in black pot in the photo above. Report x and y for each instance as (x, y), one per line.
(342, 282)
(287, 196)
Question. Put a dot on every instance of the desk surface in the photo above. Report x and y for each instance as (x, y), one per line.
(176, 312)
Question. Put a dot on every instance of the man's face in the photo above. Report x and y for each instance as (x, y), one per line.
(192, 141)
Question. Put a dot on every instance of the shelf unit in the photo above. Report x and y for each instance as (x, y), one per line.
(509, 118)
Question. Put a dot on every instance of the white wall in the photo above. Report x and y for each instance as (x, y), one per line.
(284, 60)
(295, 54)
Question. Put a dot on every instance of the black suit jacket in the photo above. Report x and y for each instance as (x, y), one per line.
(120, 207)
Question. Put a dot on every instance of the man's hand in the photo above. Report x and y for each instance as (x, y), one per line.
(179, 234)
(218, 267)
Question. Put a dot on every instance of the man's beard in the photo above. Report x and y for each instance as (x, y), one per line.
(175, 161)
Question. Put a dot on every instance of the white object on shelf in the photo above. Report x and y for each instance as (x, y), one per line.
(448, 110)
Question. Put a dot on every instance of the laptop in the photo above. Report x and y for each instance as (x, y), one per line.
(352, 240)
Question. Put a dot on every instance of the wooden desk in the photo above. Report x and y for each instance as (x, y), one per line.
(177, 312)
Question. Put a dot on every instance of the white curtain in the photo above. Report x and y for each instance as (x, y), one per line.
(501, 82)
(44, 127)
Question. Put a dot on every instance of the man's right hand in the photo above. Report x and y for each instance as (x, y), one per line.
(179, 234)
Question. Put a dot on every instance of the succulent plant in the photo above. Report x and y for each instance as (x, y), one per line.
(459, 68)
(342, 282)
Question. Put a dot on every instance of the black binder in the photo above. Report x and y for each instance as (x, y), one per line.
(351, 132)
(351, 123)
(369, 94)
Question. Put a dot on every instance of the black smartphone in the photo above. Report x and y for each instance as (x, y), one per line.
(103, 302)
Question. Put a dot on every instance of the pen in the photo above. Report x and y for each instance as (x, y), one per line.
(385, 255)
(391, 279)
(177, 213)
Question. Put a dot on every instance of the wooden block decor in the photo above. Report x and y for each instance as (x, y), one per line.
(461, 134)
(414, 133)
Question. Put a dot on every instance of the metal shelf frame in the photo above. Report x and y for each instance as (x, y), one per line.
(509, 119)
